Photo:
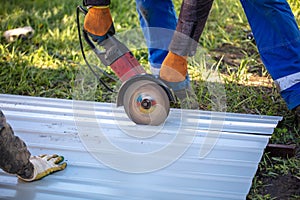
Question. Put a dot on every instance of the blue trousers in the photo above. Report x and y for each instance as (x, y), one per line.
(278, 40)
(158, 21)
(275, 31)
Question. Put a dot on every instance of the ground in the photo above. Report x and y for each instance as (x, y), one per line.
(280, 186)
(47, 66)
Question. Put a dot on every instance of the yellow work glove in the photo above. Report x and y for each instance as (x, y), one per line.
(98, 22)
(174, 68)
(45, 165)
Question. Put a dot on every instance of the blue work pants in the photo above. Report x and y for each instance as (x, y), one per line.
(158, 21)
(277, 37)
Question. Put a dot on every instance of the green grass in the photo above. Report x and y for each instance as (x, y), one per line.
(50, 65)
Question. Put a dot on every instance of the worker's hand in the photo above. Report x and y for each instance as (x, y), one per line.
(98, 23)
(45, 165)
(174, 73)
(173, 68)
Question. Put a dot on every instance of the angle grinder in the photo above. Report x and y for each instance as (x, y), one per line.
(146, 99)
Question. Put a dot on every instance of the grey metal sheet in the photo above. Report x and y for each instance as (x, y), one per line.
(58, 126)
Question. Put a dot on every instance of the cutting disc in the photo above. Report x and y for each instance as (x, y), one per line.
(145, 102)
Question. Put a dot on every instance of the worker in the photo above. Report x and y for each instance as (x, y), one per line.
(16, 159)
(272, 22)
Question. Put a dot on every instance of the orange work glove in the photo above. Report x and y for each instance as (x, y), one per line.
(174, 68)
(98, 21)
(174, 72)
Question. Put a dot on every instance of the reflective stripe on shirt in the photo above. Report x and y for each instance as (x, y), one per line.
(288, 81)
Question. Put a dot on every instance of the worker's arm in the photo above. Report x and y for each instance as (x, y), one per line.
(174, 71)
(16, 159)
(96, 2)
(191, 22)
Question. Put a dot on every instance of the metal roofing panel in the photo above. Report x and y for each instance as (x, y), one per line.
(68, 128)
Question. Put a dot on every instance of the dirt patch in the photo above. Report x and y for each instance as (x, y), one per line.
(254, 80)
(282, 187)
(231, 55)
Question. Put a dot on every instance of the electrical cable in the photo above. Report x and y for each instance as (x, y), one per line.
(81, 9)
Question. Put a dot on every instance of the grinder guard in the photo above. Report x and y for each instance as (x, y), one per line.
(136, 78)
(146, 99)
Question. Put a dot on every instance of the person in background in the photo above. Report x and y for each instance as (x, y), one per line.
(277, 37)
(272, 22)
(16, 159)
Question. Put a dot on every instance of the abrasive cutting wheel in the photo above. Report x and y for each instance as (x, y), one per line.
(146, 102)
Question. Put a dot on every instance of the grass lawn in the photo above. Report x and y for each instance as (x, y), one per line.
(50, 65)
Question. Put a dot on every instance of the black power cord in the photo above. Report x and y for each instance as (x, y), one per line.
(82, 10)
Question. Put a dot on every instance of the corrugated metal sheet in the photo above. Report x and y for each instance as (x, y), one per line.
(51, 126)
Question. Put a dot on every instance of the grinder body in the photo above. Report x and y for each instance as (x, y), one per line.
(145, 98)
